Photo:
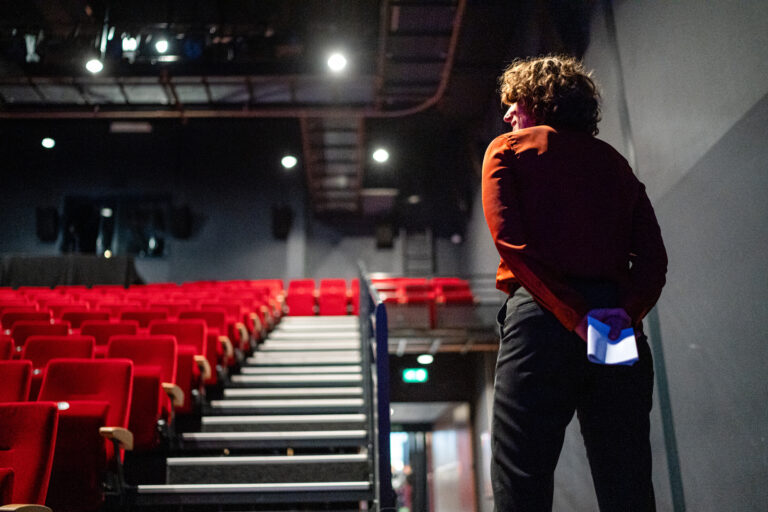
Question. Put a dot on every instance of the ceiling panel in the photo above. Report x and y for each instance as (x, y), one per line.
(62, 94)
(20, 94)
(151, 94)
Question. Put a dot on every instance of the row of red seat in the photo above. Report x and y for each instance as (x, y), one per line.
(124, 374)
(333, 297)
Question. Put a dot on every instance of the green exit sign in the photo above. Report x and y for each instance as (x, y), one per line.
(415, 375)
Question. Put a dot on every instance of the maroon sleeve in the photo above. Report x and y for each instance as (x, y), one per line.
(648, 259)
(508, 234)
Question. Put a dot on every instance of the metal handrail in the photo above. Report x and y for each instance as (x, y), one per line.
(373, 326)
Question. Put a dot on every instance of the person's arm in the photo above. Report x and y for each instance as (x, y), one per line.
(648, 259)
(508, 234)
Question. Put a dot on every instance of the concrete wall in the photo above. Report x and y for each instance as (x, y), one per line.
(685, 88)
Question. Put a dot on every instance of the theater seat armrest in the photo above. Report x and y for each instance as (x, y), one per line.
(25, 508)
(229, 350)
(257, 327)
(205, 366)
(243, 330)
(175, 393)
(119, 434)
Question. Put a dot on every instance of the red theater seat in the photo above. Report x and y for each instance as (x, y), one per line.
(41, 349)
(15, 377)
(23, 330)
(11, 316)
(77, 317)
(102, 330)
(6, 347)
(332, 298)
(154, 377)
(192, 363)
(301, 297)
(94, 401)
(27, 436)
(144, 316)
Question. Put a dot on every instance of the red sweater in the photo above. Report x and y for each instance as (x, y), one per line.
(564, 206)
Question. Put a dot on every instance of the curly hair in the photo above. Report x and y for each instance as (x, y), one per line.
(555, 90)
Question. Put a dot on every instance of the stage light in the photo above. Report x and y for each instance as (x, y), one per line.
(289, 161)
(130, 44)
(107, 254)
(161, 46)
(337, 62)
(48, 143)
(414, 199)
(425, 359)
(381, 155)
(94, 66)
(106, 212)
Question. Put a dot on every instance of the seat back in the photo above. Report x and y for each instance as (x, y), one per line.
(144, 316)
(147, 350)
(24, 329)
(11, 316)
(15, 377)
(213, 318)
(102, 330)
(41, 349)
(76, 318)
(107, 380)
(6, 348)
(187, 332)
(28, 437)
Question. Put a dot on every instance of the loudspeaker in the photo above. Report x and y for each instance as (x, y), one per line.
(282, 219)
(385, 235)
(181, 222)
(47, 224)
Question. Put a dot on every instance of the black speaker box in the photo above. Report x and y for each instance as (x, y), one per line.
(385, 235)
(47, 224)
(282, 219)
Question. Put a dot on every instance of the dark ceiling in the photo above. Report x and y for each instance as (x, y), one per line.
(421, 76)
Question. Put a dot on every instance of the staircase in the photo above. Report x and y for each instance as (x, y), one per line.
(291, 430)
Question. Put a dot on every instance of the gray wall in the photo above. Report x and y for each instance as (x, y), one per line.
(694, 108)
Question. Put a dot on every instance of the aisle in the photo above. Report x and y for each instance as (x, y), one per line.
(291, 427)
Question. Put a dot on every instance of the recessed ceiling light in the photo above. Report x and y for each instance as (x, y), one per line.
(161, 46)
(425, 359)
(337, 62)
(48, 143)
(106, 212)
(94, 66)
(414, 199)
(381, 155)
(130, 44)
(289, 161)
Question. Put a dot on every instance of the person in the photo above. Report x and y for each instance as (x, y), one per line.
(577, 236)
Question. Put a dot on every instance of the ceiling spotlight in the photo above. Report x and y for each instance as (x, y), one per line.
(161, 46)
(94, 66)
(456, 238)
(425, 359)
(381, 155)
(48, 143)
(106, 212)
(130, 44)
(414, 199)
(289, 161)
(337, 62)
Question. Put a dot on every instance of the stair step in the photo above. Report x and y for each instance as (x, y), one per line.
(302, 358)
(302, 370)
(296, 406)
(282, 392)
(289, 321)
(249, 493)
(293, 380)
(309, 345)
(294, 439)
(267, 469)
(283, 423)
(314, 336)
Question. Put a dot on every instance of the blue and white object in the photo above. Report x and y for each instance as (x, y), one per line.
(603, 350)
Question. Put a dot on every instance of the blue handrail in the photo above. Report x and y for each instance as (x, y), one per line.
(373, 325)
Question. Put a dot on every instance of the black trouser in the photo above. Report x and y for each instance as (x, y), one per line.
(542, 377)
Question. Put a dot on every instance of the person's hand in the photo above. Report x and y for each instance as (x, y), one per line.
(616, 318)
